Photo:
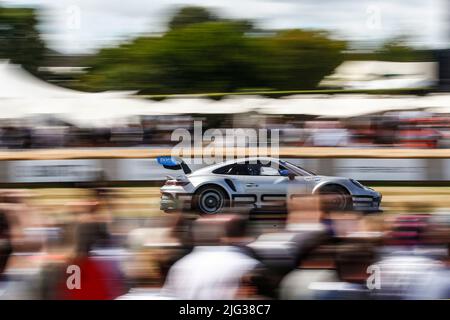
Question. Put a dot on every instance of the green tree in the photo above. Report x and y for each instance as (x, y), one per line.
(19, 39)
(208, 57)
(299, 59)
(128, 67)
(216, 56)
(190, 15)
(398, 49)
(395, 49)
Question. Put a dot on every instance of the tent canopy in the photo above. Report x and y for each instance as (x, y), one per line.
(382, 75)
(22, 95)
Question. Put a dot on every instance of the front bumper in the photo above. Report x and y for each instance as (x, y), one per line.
(367, 203)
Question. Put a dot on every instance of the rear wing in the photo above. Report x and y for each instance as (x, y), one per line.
(174, 163)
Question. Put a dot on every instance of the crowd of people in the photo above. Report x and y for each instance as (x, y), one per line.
(401, 130)
(312, 254)
(396, 130)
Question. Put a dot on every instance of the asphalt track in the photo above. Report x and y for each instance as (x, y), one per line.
(141, 202)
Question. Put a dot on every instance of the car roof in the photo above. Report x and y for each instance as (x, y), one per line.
(232, 161)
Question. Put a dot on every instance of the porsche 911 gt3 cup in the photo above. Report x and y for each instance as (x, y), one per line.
(257, 183)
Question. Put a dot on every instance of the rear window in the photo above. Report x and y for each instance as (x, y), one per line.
(239, 169)
(223, 170)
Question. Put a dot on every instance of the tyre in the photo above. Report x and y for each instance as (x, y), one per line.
(210, 200)
(335, 198)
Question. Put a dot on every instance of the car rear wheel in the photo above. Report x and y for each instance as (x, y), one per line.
(335, 198)
(210, 200)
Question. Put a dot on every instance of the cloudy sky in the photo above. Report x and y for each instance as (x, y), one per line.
(82, 26)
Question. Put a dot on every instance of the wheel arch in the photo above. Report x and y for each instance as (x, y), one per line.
(215, 185)
(319, 187)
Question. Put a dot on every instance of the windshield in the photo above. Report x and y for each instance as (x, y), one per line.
(296, 169)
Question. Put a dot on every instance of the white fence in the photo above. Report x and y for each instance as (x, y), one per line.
(133, 170)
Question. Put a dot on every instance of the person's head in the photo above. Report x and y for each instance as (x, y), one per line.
(235, 229)
(352, 261)
(218, 229)
(89, 235)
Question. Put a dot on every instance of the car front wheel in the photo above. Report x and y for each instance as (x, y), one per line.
(335, 198)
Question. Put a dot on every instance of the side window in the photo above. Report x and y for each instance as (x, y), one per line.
(223, 170)
(236, 169)
(254, 169)
(269, 171)
(250, 169)
(239, 169)
(243, 169)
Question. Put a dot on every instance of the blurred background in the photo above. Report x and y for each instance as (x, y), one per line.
(91, 91)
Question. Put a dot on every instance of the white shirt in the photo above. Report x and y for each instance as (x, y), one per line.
(208, 273)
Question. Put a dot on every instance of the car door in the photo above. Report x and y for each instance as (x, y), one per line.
(301, 182)
(251, 183)
(283, 183)
(246, 192)
(271, 185)
(250, 186)
(262, 184)
(266, 181)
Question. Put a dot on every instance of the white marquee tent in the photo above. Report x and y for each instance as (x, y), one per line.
(22, 95)
(382, 75)
(341, 106)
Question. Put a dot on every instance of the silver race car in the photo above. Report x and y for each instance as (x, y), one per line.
(259, 183)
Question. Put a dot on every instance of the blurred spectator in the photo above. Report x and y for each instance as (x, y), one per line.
(283, 251)
(412, 277)
(217, 268)
(154, 249)
(100, 277)
(328, 134)
(391, 129)
(329, 269)
(415, 134)
(5, 243)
